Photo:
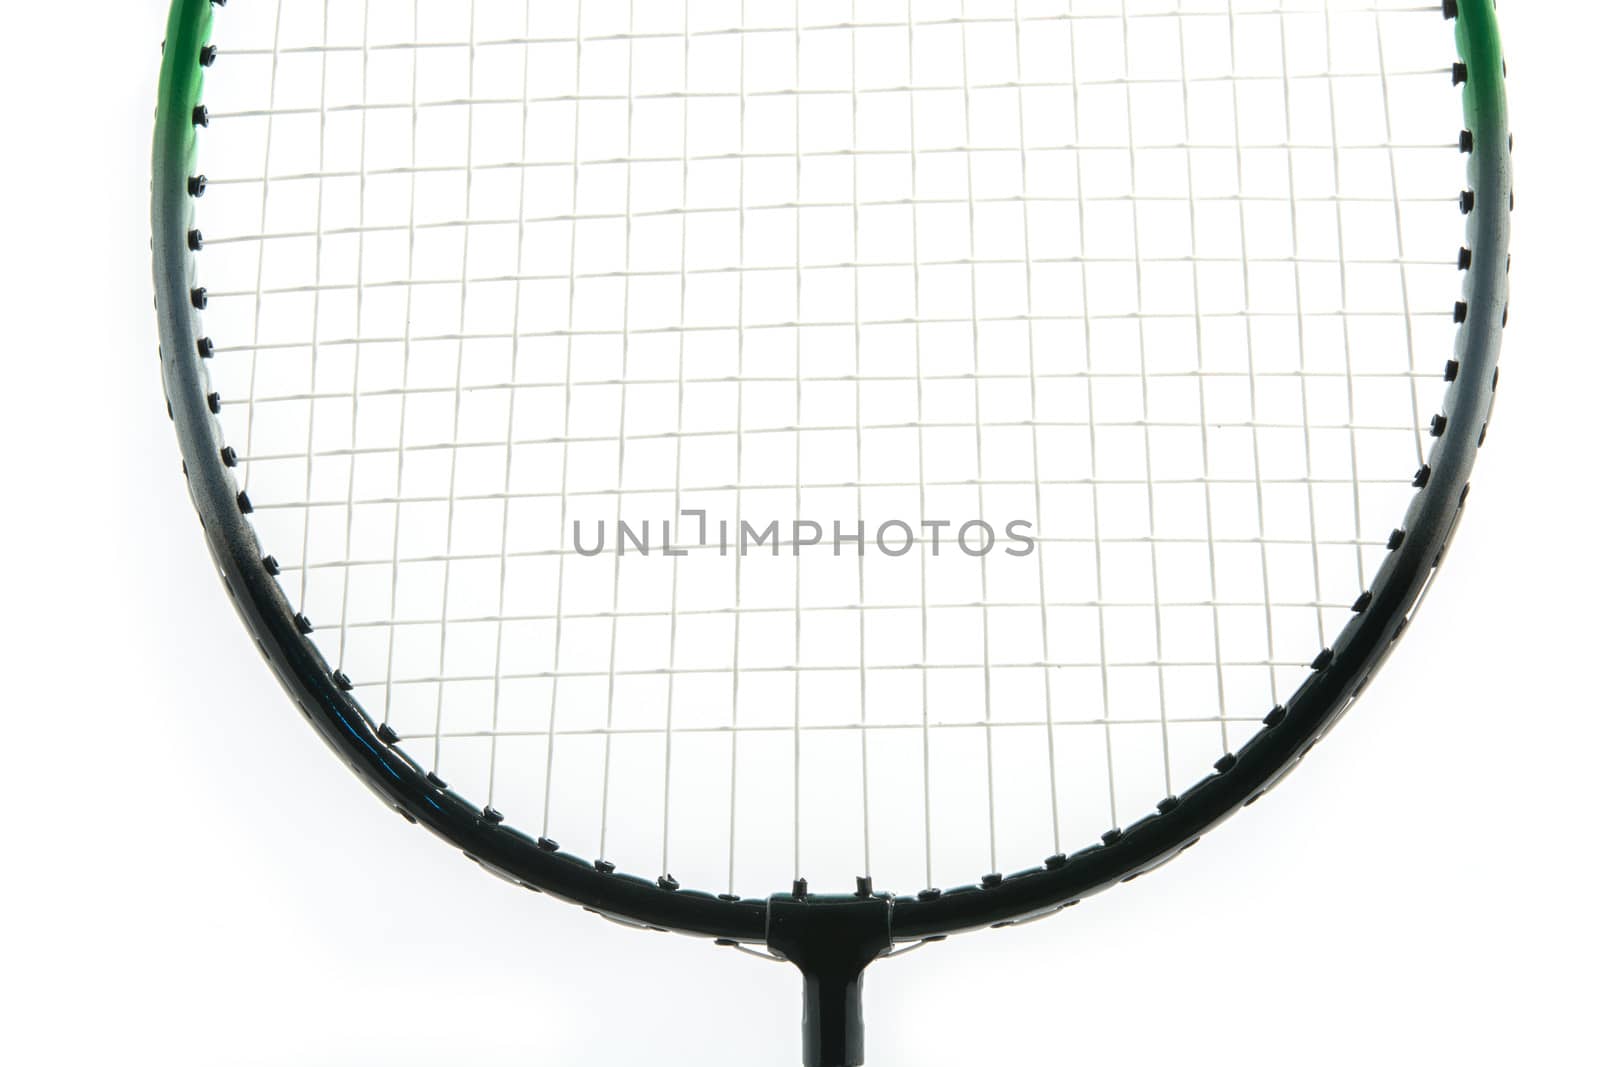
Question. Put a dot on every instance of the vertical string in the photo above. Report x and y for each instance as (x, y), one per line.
(1250, 358)
(1033, 432)
(566, 413)
(405, 368)
(511, 401)
(922, 477)
(316, 305)
(738, 493)
(977, 436)
(861, 514)
(355, 374)
(622, 443)
(677, 466)
(1344, 290)
(455, 417)
(1200, 389)
(1400, 233)
(1093, 435)
(261, 227)
(1300, 319)
(799, 445)
(1144, 394)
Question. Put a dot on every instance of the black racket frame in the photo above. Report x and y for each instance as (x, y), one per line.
(830, 937)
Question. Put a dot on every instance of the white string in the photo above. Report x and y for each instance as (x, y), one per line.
(622, 459)
(566, 422)
(861, 570)
(1205, 421)
(450, 200)
(455, 416)
(745, 30)
(977, 438)
(1386, 79)
(677, 490)
(1033, 410)
(738, 563)
(316, 299)
(922, 478)
(355, 399)
(511, 425)
(799, 481)
(405, 379)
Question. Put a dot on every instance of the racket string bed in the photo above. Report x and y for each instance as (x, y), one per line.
(454, 447)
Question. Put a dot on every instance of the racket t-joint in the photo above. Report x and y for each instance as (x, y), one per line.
(831, 939)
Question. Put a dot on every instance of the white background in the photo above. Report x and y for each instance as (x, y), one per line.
(189, 878)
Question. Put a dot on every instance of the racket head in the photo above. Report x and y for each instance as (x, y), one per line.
(371, 750)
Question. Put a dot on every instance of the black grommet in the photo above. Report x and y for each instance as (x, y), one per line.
(1451, 369)
(245, 507)
(492, 817)
(205, 347)
(667, 882)
(800, 890)
(214, 402)
(548, 844)
(1056, 862)
(230, 458)
(929, 894)
(1483, 434)
(197, 185)
(731, 898)
(1464, 259)
(208, 55)
(1451, 9)
(1436, 427)
(863, 885)
(342, 682)
(1111, 836)
(1458, 74)
(725, 942)
(1468, 198)
(991, 880)
(1465, 141)
(1424, 472)
(303, 624)
(387, 735)
(437, 782)
(1275, 716)
(1461, 312)
(201, 116)
(1396, 539)
(1167, 805)
(197, 241)
(1225, 764)
(1363, 602)
(1494, 383)
(198, 298)
(605, 866)
(1462, 499)
(271, 565)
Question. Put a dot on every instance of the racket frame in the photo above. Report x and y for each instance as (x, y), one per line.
(830, 938)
